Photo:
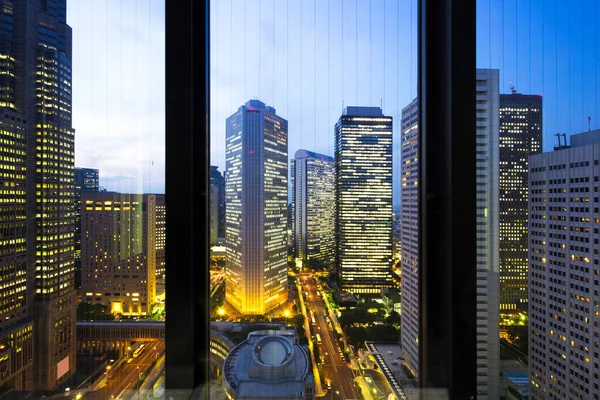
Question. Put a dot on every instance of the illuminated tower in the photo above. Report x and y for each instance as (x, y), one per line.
(520, 136)
(313, 204)
(38, 159)
(256, 209)
(363, 197)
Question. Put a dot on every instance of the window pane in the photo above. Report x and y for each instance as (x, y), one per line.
(544, 141)
(82, 210)
(307, 104)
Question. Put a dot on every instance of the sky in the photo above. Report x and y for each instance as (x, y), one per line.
(307, 58)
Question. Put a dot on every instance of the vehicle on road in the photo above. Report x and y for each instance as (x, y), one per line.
(130, 361)
(139, 350)
(318, 339)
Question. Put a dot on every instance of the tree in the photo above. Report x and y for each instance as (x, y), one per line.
(393, 319)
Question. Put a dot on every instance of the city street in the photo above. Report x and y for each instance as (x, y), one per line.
(335, 369)
(125, 382)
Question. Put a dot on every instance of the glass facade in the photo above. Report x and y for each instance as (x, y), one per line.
(520, 136)
(256, 209)
(313, 207)
(363, 197)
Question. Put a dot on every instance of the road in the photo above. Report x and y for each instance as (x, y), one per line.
(334, 367)
(125, 382)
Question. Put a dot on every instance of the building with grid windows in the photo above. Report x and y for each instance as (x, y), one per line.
(256, 197)
(86, 181)
(119, 251)
(313, 207)
(488, 280)
(363, 199)
(217, 205)
(564, 223)
(409, 234)
(37, 332)
(520, 136)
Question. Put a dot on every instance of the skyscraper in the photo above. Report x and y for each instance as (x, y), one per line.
(119, 246)
(520, 136)
(313, 204)
(564, 217)
(488, 281)
(363, 197)
(35, 102)
(86, 181)
(217, 204)
(256, 209)
(409, 234)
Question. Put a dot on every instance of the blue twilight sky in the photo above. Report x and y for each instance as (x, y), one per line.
(305, 58)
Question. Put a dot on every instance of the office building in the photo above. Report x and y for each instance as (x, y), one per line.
(86, 181)
(488, 281)
(161, 239)
(217, 205)
(118, 251)
(564, 225)
(269, 365)
(409, 234)
(363, 198)
(313, 208)
(38, 311)
(256, 195)
(520, 136)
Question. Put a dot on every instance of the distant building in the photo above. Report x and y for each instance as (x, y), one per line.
(161, 239)
(313, 206)
(269, 365)
(256, 194)
(520, 136)
(487, 209)
(217, 205)
(363, 197)
(119, 242)
(564, 226)
(86, 181)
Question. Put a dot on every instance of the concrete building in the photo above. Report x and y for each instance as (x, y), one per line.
(520, 136)
(313, 207)
(161, 239)
(119, 241)
(564, 193)
(256, 194)
(409, 235)
(363, 198)
(269, 365)
(488, 281)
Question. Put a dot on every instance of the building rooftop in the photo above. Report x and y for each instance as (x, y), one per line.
(585, 138)
(269, 364)
(363, 111)
(311, 154)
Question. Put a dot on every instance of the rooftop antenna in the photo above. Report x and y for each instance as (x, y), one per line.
(381, 102)
(589, 124)
(558, 135)
(512, 88)
(342, 106)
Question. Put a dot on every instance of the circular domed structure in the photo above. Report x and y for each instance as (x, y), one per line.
(269, 364)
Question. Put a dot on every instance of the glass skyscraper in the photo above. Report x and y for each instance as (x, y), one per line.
(313, 207)
(520, 136)
(38, 322)
(363, 197)
(256, 192)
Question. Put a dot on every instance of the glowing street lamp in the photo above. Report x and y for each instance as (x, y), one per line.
(287, 313)
(221, 311)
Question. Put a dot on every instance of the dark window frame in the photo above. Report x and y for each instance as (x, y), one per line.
(447, 199)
